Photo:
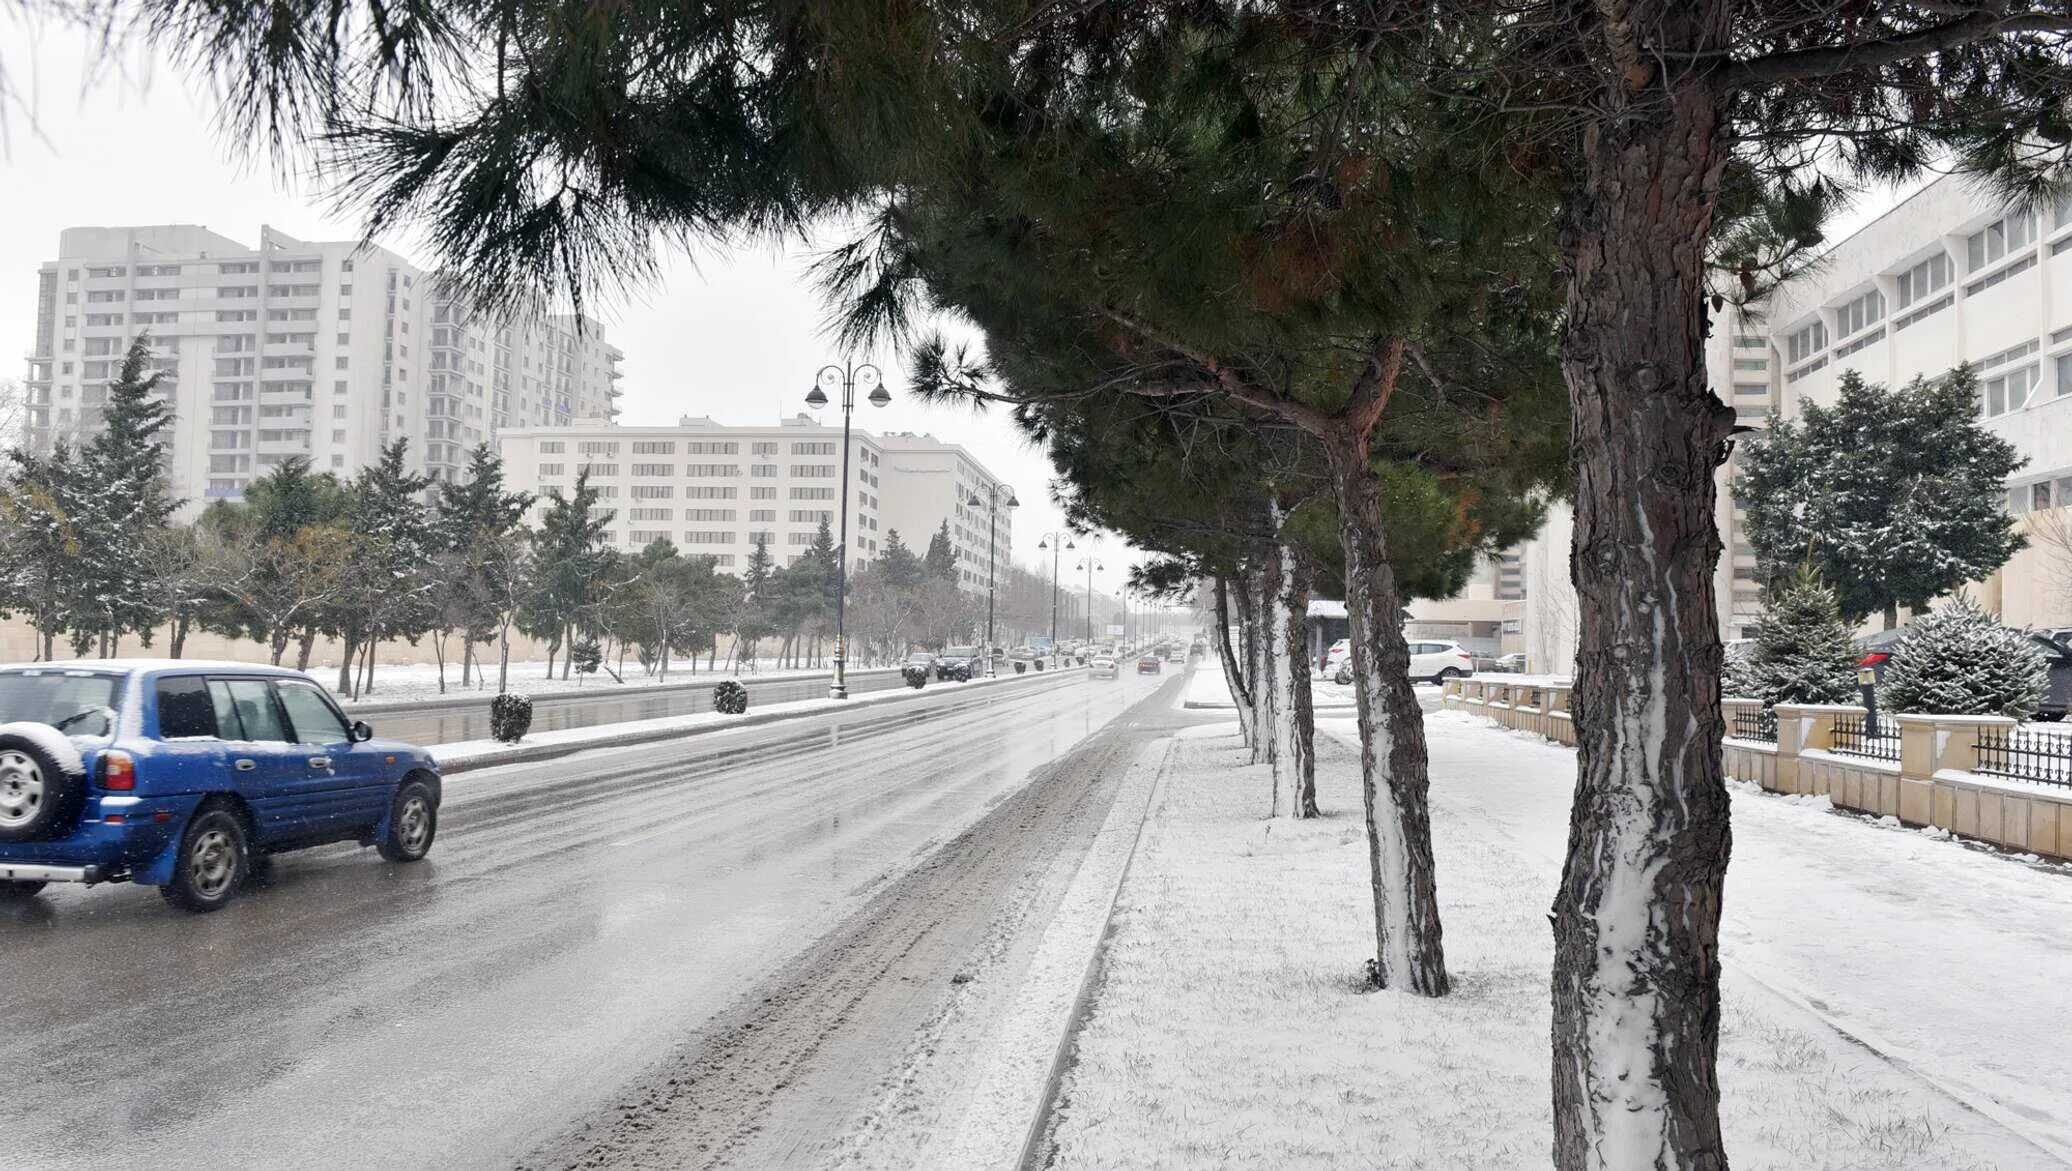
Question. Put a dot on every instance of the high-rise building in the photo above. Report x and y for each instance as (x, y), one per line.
(714, 489)
(321, 349)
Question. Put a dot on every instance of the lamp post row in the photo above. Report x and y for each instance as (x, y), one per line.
(845, 378)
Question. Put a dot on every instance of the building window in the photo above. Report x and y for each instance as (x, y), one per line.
(1999, 239)
(1807, 342)
(653, 447)
(2009, 391)
(602, 469)
(652, 470)
(1751, 363)
(550, 469)
(2039, 497)
(1751, 390)
(1924, 279)
(654, 491)
(1861, 313)
(551, 447)
(762, 471)
(761, 493)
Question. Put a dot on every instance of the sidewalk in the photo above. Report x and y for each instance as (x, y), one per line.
(1892, 1001)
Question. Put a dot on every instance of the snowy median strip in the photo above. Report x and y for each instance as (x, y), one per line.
(1207, 690)
(469, 755)
(1007, 1104)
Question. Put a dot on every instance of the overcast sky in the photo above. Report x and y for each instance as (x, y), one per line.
(731, 335)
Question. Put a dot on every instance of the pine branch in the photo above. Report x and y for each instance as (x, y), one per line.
(1980, 24)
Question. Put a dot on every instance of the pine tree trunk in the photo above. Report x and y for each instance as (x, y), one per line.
(1636, 920)
(1233, 672)
(1409, 951)
(467, 658)
(1295, 757)
(1265, 643)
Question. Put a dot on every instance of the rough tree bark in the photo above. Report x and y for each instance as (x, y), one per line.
(1636, 920)
(1409, 950)
(1295, 758)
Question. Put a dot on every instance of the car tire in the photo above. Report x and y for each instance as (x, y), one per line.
(1448, 673)
(19, 891)
(413, 824)
(38, 795)
(215, 858)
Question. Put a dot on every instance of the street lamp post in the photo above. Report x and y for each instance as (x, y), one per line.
(1089, 565)
(1057, 542)
(846, 378)
(996, 495)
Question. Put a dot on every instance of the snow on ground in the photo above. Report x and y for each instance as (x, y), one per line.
(413, 681)
(1206, 689)
(1230, 1027)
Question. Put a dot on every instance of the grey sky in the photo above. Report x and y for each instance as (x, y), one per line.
(734, 335)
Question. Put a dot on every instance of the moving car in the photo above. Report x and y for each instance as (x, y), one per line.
(961, 663)
(1340, 655)
(1440, 661)
(1150, 664)
(1176, 654)
(182, 775)
(1103, 667)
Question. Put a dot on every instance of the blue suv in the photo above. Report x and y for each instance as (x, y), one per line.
(184, 775)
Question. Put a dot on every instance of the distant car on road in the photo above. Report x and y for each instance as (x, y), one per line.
(1340, 654)
(1150, 664)
(1513, 663)
(183, 774)
(1440, 661)
(1103, 667)
(1176, 654)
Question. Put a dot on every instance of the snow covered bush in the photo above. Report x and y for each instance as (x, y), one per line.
(1803, 650)
(510, 717)
(916, 677)
(730, 698)
(1960, 661)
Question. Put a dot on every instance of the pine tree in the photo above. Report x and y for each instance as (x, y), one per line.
(393, 551)
(941, 559)
(1959, 660)
(1896, 497)
(567, 566)
(1804, 652)
(753, 620)
(128, 507)
(902, 570)
(41, 541)
(476, 520)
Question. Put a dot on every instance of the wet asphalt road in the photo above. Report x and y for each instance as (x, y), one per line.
(576, 922)
(446, 722)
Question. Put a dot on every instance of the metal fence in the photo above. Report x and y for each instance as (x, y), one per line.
(1852, 738)
(2042, 757)
(1756, 725)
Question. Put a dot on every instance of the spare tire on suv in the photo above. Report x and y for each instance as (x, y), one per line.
(42, 783)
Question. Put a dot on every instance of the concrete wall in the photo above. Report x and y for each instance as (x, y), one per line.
(1934, 782)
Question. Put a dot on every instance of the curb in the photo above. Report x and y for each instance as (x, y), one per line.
(533, 753)
(1034, 1143)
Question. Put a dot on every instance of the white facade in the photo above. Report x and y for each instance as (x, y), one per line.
(715, 490)
(1951, 275)
(325, 350)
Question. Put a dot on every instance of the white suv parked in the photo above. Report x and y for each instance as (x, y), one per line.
(1436, 661)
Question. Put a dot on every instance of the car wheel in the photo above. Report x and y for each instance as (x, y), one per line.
(15, 892)
(215, 856)
(413, 823)
(1448, 673)
(38, 796)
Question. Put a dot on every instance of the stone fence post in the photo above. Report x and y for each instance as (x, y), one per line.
(1801, 726)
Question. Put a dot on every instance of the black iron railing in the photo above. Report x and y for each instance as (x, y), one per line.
(1851, 736)
(1756, 725)
(2042, 757)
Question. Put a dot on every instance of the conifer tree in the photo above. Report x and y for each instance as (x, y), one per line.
(1896, 497)
(1959, 660)
(941, 559)
(129, 506)
(1804, 652)
(901, 568)
(753, 620)
(567, 567)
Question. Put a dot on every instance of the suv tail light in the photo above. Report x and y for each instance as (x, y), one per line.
(118, 772)
(1465, 655)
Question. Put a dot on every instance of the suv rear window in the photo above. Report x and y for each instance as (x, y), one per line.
(184, 709)
(77, 703)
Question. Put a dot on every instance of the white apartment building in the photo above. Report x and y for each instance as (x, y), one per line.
(714, 489)
(321, 349)
(1951, 275)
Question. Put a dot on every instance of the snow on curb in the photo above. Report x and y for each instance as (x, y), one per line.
(555, 692)
(1007, 1108)
(469, 755)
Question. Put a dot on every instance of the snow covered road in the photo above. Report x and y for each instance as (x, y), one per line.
(580, 923)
